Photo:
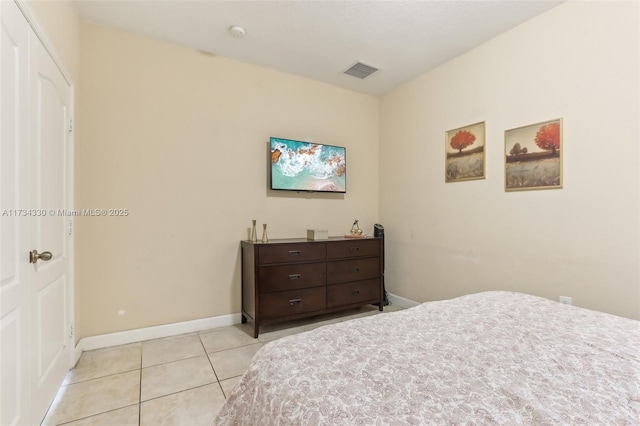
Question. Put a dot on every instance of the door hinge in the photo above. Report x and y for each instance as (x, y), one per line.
(71, 124)
(71, 331)
(70, 227)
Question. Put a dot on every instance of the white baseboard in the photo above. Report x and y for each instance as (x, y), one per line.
(77, 352)
(148, 333)
(401, 301)
(168, 330)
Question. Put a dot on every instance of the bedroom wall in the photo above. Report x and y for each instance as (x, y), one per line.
(60, 21)
(179, 138)
(579, 61)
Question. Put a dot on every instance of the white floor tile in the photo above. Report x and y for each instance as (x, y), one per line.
(105, 362)
(170, 349)
(79, 400)
(193, 407)
(183, 380)
(128, 416)
(226, 338)
(233, 362)
(172, 377)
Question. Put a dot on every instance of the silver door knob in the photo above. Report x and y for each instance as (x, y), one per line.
(34, 256)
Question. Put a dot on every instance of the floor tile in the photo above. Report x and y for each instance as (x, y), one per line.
(226, 338)
(170, 349)
(91, 397)
(233, 362)
(393, 308)
(104, 388)
(192, 407)
(172, 377)
(128, 416)
(268, 336)
(337, 317)
(105, 362)
(228, 385)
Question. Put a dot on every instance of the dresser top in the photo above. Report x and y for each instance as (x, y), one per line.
(304, 240)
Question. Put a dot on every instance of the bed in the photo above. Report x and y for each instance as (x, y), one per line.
(487, 358)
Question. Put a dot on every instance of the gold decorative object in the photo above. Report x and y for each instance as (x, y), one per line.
(355, 228)
(254, 236)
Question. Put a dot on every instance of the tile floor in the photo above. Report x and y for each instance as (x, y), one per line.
(180, 380)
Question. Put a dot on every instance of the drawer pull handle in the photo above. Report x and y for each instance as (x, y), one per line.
(355, 292)
(354, 248)
(295, 276)
(354, 270)
(294, 301)
(294, 252)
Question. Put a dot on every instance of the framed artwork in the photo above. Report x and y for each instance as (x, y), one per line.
(533, 156)
(465, 156)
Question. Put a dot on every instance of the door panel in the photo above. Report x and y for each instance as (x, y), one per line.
(13, 370)
(49, 291)
(49, 150)
(51, 325)
(14, 39)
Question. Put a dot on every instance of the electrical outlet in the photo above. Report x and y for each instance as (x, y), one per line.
(566, 300)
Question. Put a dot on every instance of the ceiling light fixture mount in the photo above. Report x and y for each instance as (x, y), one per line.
(237, 31)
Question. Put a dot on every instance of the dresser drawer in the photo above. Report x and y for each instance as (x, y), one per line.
(295, 252)
(284, 303)
(341, 271)
(353, 248)
(292, 276)
(355, 292)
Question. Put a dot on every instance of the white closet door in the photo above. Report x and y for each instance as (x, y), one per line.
(36, 170)
(50, 159)
(14, 261)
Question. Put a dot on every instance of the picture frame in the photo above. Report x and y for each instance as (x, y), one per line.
(533, 156)
(465, 153)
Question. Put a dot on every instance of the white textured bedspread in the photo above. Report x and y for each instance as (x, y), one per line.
(487, 358)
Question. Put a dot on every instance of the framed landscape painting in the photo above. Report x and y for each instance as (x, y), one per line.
(533, 156)
(465, 156)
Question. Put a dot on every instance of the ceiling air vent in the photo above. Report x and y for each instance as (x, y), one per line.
(361, 70)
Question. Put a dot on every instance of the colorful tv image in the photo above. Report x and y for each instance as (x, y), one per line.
(306, 166)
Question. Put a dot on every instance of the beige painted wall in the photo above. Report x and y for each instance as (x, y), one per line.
(580, 61)
(179, 138)
(60, 21)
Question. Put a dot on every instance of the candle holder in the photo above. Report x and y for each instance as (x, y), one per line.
(254, 236)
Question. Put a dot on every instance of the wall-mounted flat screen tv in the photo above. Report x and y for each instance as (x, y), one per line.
(306, 166)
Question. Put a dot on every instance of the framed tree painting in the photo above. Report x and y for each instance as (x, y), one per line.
(533, 156)
(465, 156)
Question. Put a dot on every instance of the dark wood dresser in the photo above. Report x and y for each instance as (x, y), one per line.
(288, 279)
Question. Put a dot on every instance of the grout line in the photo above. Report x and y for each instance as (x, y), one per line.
(180, 391)
(94, 415)
(209, 359)
(175, 360)
(99, 377)
(213, 369)
(235, 347)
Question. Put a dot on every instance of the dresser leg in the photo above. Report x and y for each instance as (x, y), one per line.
(244, 319)
(255, 329)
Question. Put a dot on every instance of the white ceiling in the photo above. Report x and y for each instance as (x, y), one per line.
(322, 39)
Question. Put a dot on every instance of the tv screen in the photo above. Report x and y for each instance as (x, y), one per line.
(306, 166)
